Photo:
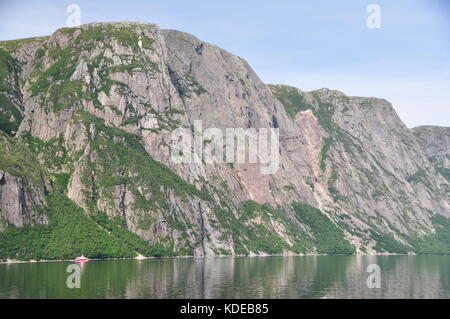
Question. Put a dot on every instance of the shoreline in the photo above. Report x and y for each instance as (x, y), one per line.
(32, 261)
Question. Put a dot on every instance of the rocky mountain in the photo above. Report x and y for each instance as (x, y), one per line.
(435, 144)
(88, 116)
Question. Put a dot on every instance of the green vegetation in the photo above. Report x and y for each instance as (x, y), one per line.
(418, 176)
(289, 187)
(188, 85)
(294, 101)
(61, 180)
(196, 87)
(291, 98)
(323, 152)
(387, 243)
(437, 242)
(332, 190)
(51, 153)
(444, 172)
(10, 95)
(132, 120)
(13, 45)
(118, 158)
(16, 159)
(66, 94)
(59, 91)
(434, 243)
(126, 34)
(70, 233)
(324, 115)
(252, 231)
(329, 239)
(175, 223)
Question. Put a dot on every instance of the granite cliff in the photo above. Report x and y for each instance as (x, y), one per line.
(87, 116)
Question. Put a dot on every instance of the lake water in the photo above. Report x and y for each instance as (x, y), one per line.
(240, 277)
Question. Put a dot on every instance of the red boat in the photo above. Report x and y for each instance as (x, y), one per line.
(81, 258)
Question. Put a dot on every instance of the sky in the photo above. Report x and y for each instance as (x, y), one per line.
(307, 44)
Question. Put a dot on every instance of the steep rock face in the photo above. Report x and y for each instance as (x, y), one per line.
(22, 186)
(21, 204)
(100, 103)
(15, 63)
(435, 144)
(105, 96)
(371, 166)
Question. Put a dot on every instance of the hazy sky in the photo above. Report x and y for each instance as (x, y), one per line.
(308, 44)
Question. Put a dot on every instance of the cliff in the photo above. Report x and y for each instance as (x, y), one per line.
(96, 106)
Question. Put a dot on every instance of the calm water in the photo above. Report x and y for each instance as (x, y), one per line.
(241, 277)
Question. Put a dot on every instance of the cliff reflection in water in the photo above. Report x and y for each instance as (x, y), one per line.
(240, 277)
